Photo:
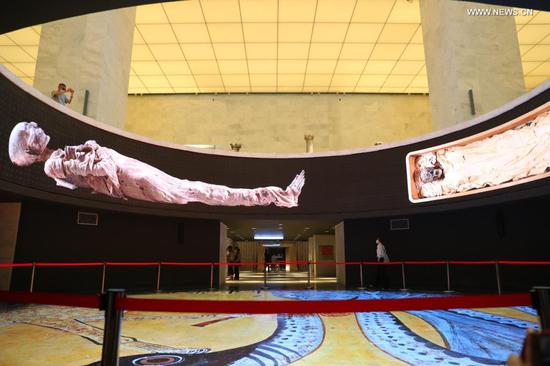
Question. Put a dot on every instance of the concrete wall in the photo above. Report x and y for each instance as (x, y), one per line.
(278, 123)
(316, 255)
(9, 225)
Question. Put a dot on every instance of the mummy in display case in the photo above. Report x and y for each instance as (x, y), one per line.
(107, 172)
(516, 152)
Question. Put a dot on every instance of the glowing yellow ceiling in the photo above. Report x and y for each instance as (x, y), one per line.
(303, 46)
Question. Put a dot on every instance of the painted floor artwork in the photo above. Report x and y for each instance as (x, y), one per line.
(54, 335)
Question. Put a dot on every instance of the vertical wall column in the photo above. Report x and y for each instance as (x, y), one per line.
(9, 225)
(89, 53)
(340, 253)
(467, 52)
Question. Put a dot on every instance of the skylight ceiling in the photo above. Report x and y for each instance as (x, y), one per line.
(270, 46)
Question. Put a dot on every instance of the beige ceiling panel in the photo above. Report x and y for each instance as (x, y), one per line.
(262, 66)
(135, 82)
(147, 14)
(372, 11)
(318, 79)
(221, 10)
(541, 17)
(197, 51)
(201, 67)
(184, 11)
(423, 70)
(141, 52)
(191, 33)
(289, 89)
(165, 52)
(258, 11)
(237, 89)
(418, 36)
(295, 32)
(329, 32)
(230, 51)
(31, 50)
(132, 72)
(186, 90)
(157, 33)
(372, 80)
(366, 89)
(263, 89)
(537, 53)
(14, 70)
(290, 80)
(28, 81)
(387, 51)
(182, 81)
(138, 91)
(14, 54)
(407, 67)
(209, 81)
(155, 81)
(138, 39)
(320, 66)
(398, 33)
(292, 66)
(524, 18)
(531, 34)
(315, 88)
(342, 89)
(529, 66)
(334, 11)
(356, 51)
(545, 40)
(417, 90)
(233, 66)
(161, 90)
(175, 67)
(26, 67)
(419, 82)
(379, 67)
(534, 81)
(25, 37)
(5, 41)
(542, 70)
(235, 80)
(297, 10)
(37, 28)
(523, 49)
(261, 51)
(262, 33)
(146, 68)
(405, 11)
(345, 80)
(294, 51)
(398, 81)
(392, 90)
(413, 52)
(226, 32)
(263, 80)
(350, 67)
(324, 51)
(364, 32)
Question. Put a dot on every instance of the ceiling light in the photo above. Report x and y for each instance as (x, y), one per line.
(271, 245)
(272, 236)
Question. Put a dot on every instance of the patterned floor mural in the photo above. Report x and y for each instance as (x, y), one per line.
(53, 335)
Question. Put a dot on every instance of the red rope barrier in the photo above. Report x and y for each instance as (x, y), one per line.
(473, 263)
(525, 262)
(83, 301)
(384, 263)
(132, 263)
(14, 265)
(84, 264)
(334, 306)
(183, 264)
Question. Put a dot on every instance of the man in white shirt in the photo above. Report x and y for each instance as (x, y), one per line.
(382, 257)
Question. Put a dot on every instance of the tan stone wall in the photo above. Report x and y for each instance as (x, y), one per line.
(277, 123)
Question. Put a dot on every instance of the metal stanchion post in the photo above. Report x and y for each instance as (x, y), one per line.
(362, 287)
(158, 277)
(265, 277)
(103, 278)
(498, 278)
(448, 278)
(32, 277)
(113, 322)
(211, 277)
(541, 302)
(403, 278)
(308, 287)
